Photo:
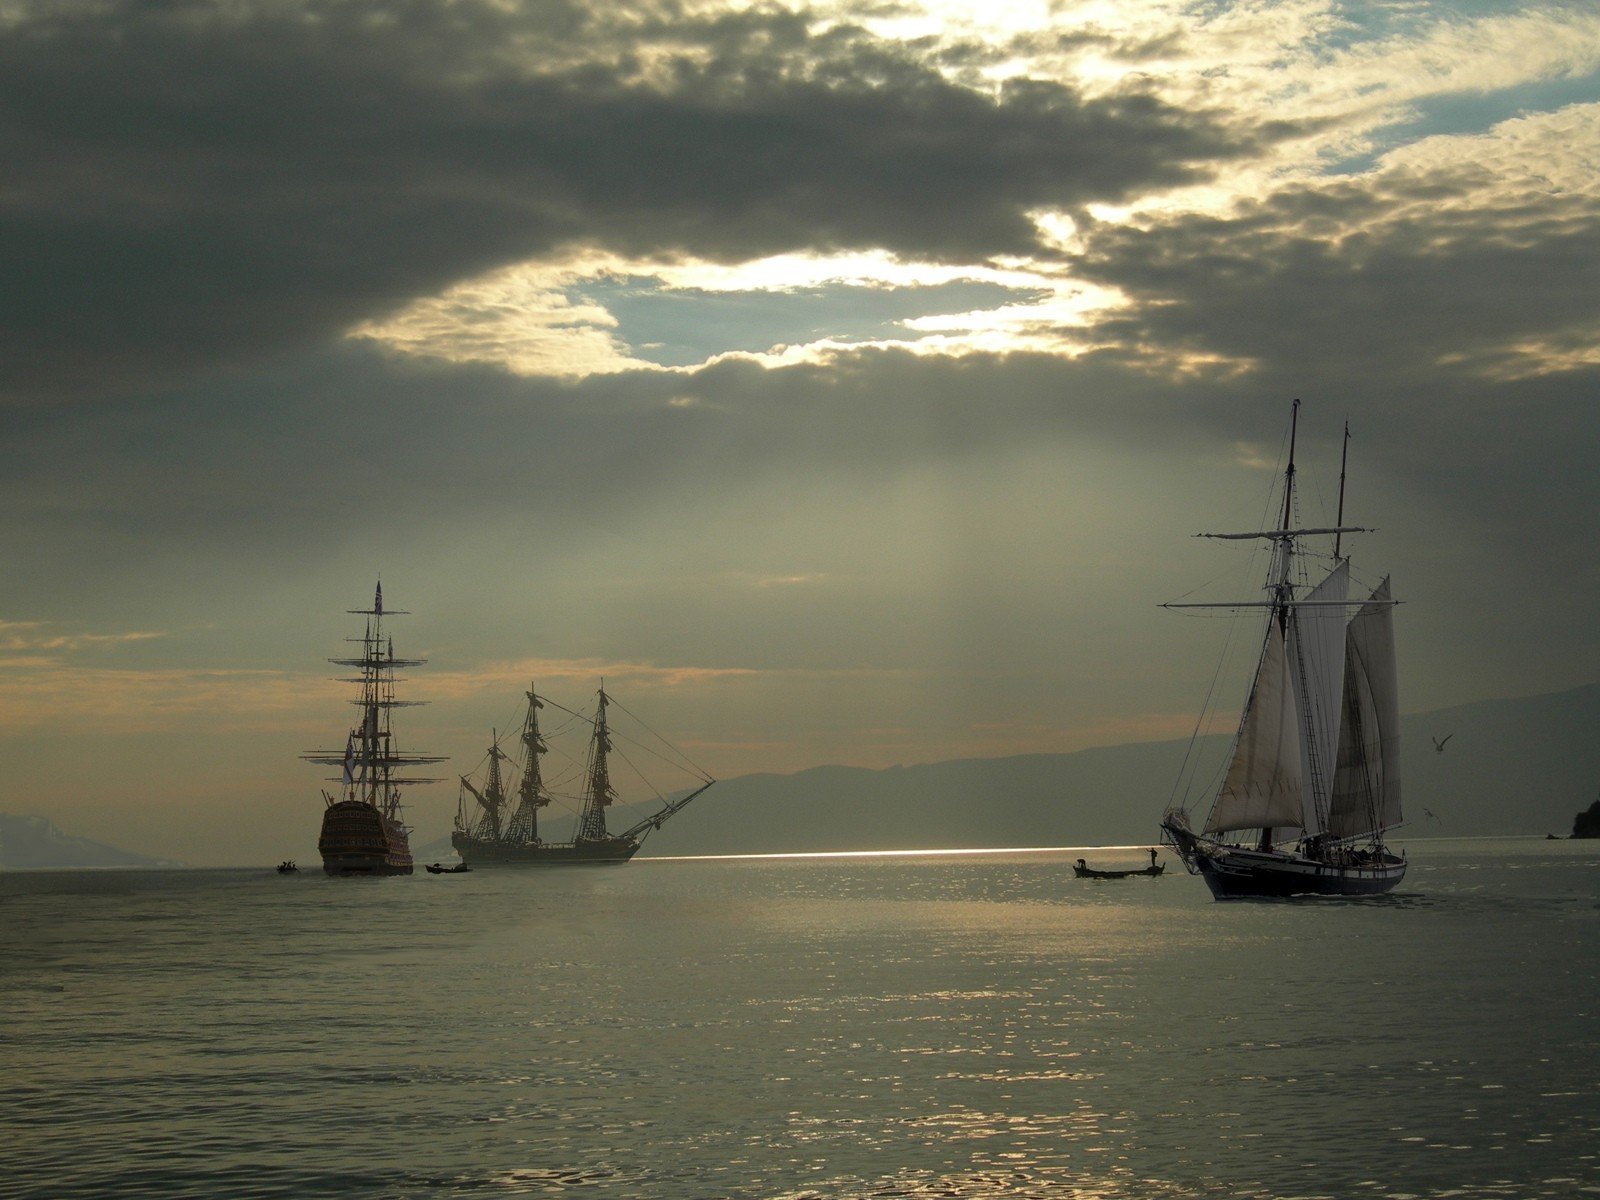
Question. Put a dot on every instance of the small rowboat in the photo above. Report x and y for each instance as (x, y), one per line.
(1084, 871)
(458, 869)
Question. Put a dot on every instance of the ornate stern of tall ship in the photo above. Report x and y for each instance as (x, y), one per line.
(363, 831)
(490, 831)
(1313, 782)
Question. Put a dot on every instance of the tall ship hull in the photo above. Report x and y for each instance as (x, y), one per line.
(1313, 781)
(496, 827)
(482, 852)
(1240, 873)
(357, 839)
(363, 832)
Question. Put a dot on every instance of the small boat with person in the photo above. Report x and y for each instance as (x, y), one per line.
(287, 867)
(1084, 871)
(438, 869)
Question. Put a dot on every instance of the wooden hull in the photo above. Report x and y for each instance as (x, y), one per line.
(1091, 873)
(357, 839)
(476, 852)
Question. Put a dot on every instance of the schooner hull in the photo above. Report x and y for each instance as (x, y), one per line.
(1248, 874)
(357, 839)
(482, 852)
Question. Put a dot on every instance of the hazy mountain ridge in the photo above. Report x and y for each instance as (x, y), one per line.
(35, 842)
(1520, 766)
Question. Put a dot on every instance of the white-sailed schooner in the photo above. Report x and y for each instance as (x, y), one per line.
(1314, 778)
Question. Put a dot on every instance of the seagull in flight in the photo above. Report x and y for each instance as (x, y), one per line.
(1438, 745)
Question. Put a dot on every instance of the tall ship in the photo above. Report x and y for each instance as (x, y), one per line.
(496, 827)
(1313, 781)
(363, 830)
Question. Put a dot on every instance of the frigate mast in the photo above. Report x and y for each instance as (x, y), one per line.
(599, 793)
(492, 796)
(531, 795)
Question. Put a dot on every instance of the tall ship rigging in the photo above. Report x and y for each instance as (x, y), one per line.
(491, 829)
(1313, 781)
(363, 831)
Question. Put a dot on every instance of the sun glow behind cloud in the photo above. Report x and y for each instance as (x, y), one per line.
(1349, 81)
(526, 319)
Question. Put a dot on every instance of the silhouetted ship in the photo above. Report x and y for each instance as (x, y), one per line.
(489, 830)
(363, 832)
(1314, 779)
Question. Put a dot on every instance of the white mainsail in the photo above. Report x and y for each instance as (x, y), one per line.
(1315, 650)
(1366, 787)
(1263, 786)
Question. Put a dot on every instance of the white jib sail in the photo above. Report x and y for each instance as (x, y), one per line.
(1263, 785)
(1366, 788)
(1316, 664)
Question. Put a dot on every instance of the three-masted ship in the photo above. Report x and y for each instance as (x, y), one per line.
(1314, 778)
(363, 830)
(490, 830)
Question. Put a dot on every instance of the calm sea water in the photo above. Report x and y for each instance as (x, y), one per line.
(928, 1026)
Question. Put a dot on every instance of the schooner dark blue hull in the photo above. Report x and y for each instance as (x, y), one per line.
(1246, 874)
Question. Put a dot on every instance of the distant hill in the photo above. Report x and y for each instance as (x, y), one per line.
(34, 842)
(1520, 766)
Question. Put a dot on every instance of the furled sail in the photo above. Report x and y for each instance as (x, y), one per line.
(1316, 665)
(1366, 787)
(1263, 787)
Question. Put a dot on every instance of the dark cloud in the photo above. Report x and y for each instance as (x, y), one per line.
(189, 184)
(1407, 277)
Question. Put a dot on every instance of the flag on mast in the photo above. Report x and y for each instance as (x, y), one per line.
(349, 758)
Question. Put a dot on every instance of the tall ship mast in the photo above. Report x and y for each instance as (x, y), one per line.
(363, 831)
(1313, 782)
(484, 835)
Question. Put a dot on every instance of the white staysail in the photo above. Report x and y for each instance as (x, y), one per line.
(1316, 664)
(1366, 787)
(1263, 785)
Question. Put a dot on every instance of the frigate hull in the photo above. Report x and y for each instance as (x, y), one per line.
(357, 839)
(598, 852)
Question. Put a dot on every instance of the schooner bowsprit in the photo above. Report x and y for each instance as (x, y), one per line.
(489, 830)
(363, 832)
(1314, 778)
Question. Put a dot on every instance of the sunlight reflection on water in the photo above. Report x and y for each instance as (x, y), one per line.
(972, 1026)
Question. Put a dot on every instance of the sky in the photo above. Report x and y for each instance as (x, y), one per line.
(841, 382)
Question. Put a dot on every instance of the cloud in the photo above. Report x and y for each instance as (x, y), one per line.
(32, 639)
(1422, 265)
(194, 186)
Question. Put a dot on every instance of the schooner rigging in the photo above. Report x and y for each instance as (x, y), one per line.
(1313, 781)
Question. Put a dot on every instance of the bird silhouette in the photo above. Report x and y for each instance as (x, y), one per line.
(1438, 745)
